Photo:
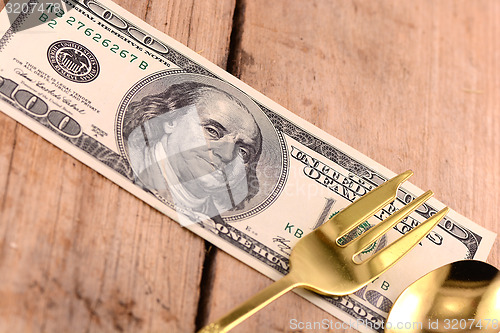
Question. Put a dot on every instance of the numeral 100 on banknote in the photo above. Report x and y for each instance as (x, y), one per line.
(39, 108)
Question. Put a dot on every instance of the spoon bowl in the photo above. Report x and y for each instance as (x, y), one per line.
(460, 297)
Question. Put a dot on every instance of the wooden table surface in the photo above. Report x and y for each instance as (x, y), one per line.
(411, 84)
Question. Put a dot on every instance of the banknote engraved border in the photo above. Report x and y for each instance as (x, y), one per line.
(15, 26)
(339, 301)
(280, 263)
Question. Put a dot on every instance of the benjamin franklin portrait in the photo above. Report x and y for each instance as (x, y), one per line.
(195, 145)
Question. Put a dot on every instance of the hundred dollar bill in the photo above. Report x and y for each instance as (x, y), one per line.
(202, 147)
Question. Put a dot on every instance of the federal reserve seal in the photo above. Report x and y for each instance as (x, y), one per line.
(73, 61)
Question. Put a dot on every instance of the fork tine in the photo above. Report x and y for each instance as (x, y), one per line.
(383, 260)
(381, 228)
(366, 206)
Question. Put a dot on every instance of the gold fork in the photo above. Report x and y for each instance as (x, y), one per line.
(319, 262)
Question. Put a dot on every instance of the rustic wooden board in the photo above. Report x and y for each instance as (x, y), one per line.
(77, 253)
(410, 84)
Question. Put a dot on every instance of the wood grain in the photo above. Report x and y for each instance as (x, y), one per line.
(409, 84)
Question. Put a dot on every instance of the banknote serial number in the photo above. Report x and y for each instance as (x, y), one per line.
(95, 36)
(30, 8)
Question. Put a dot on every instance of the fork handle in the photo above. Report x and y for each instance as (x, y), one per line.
(252, 305)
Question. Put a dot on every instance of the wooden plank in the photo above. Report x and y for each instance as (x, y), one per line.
(77, 253)
(410, 84)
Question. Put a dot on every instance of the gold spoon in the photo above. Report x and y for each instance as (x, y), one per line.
(463, 296)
